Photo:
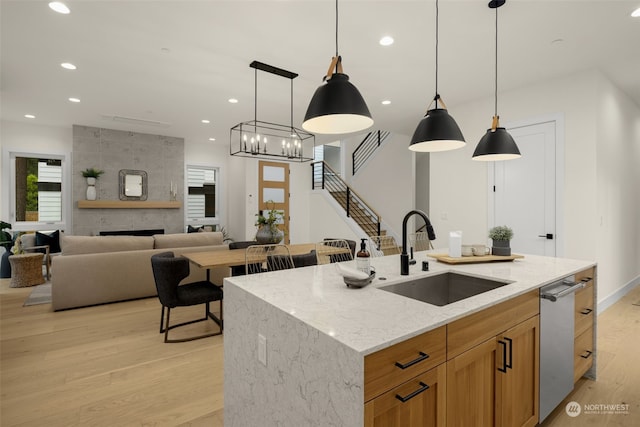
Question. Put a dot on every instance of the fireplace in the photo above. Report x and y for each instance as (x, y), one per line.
(150, 232)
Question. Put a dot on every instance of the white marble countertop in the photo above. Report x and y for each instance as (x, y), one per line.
(369, 319)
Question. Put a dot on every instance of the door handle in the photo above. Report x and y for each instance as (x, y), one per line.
(423, 356)
(423, 387)
(548, 236)
(504, 356)
(510, 364)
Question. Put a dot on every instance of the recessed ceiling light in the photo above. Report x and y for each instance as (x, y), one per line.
(636, 13)
(386, 41)
(30, 116)
(212, 139)
(386, 102)
(233, 100)
(68, 66)
(74, 99)
(59, 7)
(206, 121)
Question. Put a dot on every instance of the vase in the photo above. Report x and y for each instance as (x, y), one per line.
(268, 236)
(5, 266)
(501, 248)
(91, 188)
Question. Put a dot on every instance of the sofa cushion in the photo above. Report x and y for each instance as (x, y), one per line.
(182, 240)
(53, 240)
(77, 245)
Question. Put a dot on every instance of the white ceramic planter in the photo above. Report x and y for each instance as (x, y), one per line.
(91, 189)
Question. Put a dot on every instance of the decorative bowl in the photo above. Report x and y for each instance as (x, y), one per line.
(360, 283)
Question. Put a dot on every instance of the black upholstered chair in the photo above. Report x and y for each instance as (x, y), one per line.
(351, 243)
(305, 260)
(168, 271)
(284, 262)
(240, 270)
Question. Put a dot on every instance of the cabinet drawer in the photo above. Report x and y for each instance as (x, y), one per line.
(419, 402)
(394, 365)
(582, 354)
(588, 273)
(476, 328)
(584, 309)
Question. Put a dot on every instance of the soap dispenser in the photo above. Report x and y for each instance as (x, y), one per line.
(363, 258)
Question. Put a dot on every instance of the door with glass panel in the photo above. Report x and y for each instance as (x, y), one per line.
(273, 190)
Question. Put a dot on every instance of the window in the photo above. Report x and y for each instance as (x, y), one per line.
(203, 195)
(36, 189)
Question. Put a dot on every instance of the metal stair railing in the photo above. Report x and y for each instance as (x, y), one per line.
(323, 177)
(366, 148)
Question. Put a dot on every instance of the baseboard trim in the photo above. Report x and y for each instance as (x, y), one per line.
(614, 297)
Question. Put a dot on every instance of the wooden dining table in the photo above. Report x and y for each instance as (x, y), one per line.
(236, 257)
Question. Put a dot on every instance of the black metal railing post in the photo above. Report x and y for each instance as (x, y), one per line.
(348, 202)
(323, 172)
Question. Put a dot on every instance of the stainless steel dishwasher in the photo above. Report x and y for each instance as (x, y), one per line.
(557, 302)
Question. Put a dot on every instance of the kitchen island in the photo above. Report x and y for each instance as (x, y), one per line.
(297, 341)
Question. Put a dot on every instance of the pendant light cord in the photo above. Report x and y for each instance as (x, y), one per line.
(437, 96)
(496, 82)
(337, 55)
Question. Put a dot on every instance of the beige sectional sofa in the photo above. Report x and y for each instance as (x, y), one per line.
(100, 269)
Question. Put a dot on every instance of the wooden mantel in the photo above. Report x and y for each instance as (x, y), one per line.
(128, 204)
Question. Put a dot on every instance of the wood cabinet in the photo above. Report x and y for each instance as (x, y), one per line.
(517, 388)
(495, 383)
(405, 384)
(419, 402)
(584, 315)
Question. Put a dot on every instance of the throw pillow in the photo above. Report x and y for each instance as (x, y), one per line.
(53, 240)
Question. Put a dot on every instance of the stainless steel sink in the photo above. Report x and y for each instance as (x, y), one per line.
(444, 288)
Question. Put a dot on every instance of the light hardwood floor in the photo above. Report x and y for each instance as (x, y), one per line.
(107, 365)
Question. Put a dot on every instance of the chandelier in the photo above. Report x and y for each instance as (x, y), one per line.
(264, 140)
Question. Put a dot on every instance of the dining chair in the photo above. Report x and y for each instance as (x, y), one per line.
(384, 245)
(330, 251)
(352, 244)
(261, 258)
(239, 270)
(420, 241)
(168, 271)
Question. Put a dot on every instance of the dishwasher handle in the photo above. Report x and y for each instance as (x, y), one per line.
(554, 297)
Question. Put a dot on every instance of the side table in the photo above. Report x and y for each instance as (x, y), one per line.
(26, 270)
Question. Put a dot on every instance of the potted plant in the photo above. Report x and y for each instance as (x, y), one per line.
(6, 241)
(268, 231)
(91, 174)
(501, 236)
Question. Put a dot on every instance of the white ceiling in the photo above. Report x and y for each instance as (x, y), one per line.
(124, 70)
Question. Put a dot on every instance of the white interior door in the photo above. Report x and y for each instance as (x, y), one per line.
(524, 190)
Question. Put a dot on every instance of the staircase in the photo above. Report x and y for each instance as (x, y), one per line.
(366, 148)
(356, 208)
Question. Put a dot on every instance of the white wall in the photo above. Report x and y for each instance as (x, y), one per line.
(617, 231)
(325, 221)
(387, 180)
(459, 185)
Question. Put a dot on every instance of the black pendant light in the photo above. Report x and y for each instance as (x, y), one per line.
(496, 144)
(337, 106)
(437, 131)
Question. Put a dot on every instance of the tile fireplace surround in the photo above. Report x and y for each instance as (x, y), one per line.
(162, 157)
